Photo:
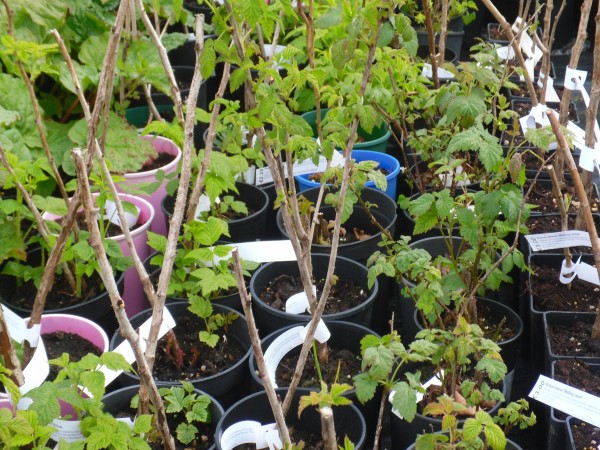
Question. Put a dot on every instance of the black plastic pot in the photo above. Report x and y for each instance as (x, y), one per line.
(565, 318)
(384, 213)
(406, 307)
(536, 315)
(405, 433)
(344, 336)
(454, 40)
(226, 386)
(249, 228)
(557, 432)
(510, 445)
(449, 54)
(269, 319)
(119, 401)
(98, 309)
(348, 419)
(509, 347)
(572, 422)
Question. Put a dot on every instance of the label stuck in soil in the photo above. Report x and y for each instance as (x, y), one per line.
(251, 432)
(264, 176)
(567, 399)
(560, 239)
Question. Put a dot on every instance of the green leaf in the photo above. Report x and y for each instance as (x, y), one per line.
(210, 339)
(405, 401)
(52, 205)
(208, 59)
(157, 242)
(464, 107)
(331, 18)
(365, 387)
(200, 306)
(379, 360)
(252, 11)
(186, 433)
(495, 437)
(495, 368)
(471, 429)
(142, 424)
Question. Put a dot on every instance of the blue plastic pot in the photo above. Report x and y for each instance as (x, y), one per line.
(375, 141)
(386, 162)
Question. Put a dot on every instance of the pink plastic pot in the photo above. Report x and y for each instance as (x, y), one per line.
(161, 145)
(80, 326)
(133, 294)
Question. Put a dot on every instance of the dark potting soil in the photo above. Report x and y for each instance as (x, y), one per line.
(342, 364)
(585, 435)
(543, 198)
(573, 340)
(199, 360)
(60, 342)
(497, 33)
(205, 435)
(549, 294)
(344, 295)
(160, 161)
(310, 440)
(523, 109)
(111, 228)
(60, 296)
(577, 374)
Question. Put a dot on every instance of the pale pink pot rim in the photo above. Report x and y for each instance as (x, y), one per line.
(146, 214)
(161, 145)
(72, 323)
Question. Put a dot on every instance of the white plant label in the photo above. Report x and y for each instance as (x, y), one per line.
(298, 303)
(571, 75)
(288, 340)
(125, 349)
(505, 53)
(584, 271)
(560, 239)
(17, 328)
(251, 432)
(38, 368)
(267, 251)
(588, 158)
(264, 176)
(567, 399)
(110, 213)
(202, 206)
(442, 73)
(578, 134)
(68, 430)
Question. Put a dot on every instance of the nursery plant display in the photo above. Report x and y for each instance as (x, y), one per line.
(297, 86)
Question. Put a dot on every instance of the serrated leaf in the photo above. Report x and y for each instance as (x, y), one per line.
(379, 360)
(465, 107)
(157, 242)
(495, 368)
(495, 437)
(405, 401)
(186, 433)
(210, 339)
(365, 387)
(471, 429)
(142, 424)
(331, 18)
(200, 306)
(208, 59)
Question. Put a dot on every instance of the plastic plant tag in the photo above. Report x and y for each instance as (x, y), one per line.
(442, 73)
(531, 49)
(203, 206)
(125, 349)
(17, 328)
(539, 114)
(251, 432)
(67, 430)
(578, 134)
(433, 381)
(288, 340)
(588, 158)
(266, 251)
(571, 401)
(571, 75)
(567, 272)
(298, 303)
(249, 175)
(529, 66)
(505, 53)
(527, 122)
(560, 239)
(110, 213)
(264, 176)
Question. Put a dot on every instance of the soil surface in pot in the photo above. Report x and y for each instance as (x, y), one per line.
(345, 294)
(310, 440)
(342, 365)
(523, 92)
(577, 374)
(497, 33)
(573, 340)
(60, 296)
(585, 435)
(543, 198)
(160, 161)
(205, 435)
(198, 360)
(523, 108)
(110, 228)
(60, 342)
(549, 294)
